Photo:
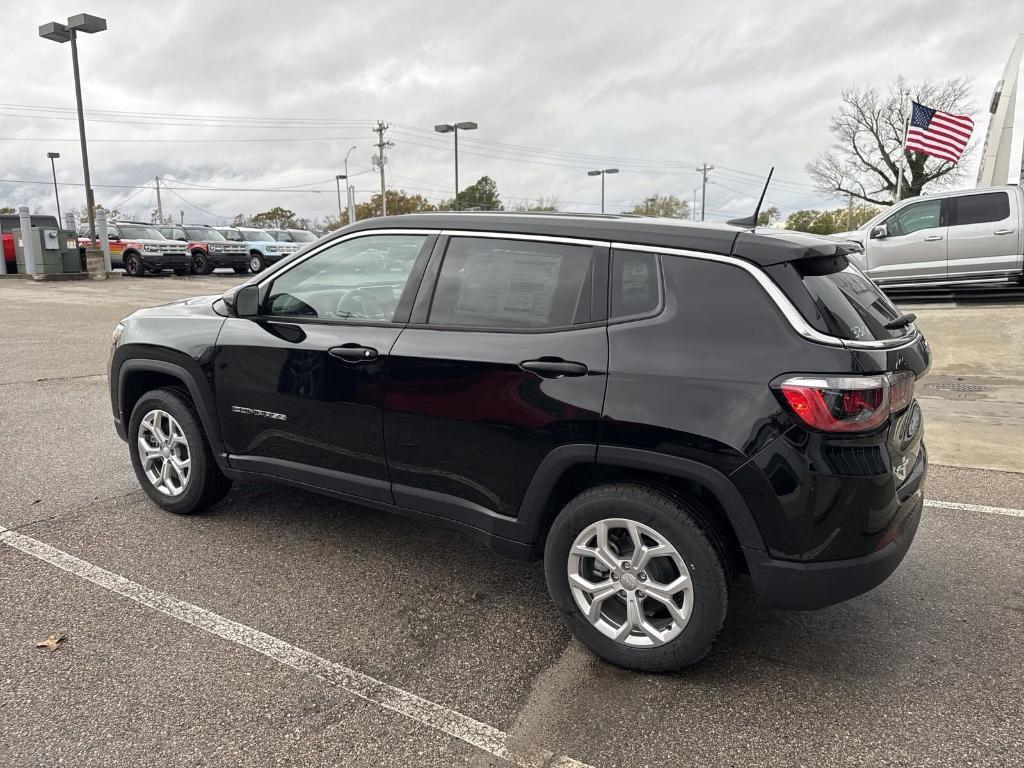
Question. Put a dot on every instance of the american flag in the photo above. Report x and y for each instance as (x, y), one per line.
(938, 134)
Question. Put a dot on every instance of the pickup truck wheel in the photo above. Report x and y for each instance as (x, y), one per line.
(133, 265)
(635, 577)
(256, 263)
(171, 455)
(200, 264)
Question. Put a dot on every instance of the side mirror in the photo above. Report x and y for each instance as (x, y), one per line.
(879, 232)
(114, 238)
(245, 301)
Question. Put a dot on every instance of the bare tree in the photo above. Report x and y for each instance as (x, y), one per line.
(868, 128)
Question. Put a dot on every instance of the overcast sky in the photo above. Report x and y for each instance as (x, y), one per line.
(557, 88)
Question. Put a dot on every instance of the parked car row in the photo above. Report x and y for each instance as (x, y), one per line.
(195, 249)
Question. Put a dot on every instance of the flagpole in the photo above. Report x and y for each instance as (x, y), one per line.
(903, 153)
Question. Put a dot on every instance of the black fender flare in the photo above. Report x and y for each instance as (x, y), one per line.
(200, 393)
(563, 458)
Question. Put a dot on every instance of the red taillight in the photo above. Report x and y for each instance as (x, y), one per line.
(846, 403)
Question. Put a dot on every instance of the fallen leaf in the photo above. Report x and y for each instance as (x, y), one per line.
(52, 642)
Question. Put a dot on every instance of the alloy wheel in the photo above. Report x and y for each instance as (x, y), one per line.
(630, 583)
(164, 452)
(255, 264)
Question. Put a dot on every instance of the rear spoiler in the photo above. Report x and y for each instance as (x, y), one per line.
(766, 248)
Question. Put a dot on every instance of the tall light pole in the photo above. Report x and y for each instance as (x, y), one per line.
(63, 33)
(349, 203)
(53, 156)
(337, 180)
(455, 128)
(602, 173)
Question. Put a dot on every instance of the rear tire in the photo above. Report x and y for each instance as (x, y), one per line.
(633, 625)
(256, 262)
(179, 472)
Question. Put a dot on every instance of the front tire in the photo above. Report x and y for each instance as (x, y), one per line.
(636, 578)
(241, 270)
(133, 265)
(200, 264)
(256, 262)
(171, 455)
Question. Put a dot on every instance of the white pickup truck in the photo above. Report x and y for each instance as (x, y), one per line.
(975, 236)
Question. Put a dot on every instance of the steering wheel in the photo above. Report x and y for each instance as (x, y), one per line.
(363, 304)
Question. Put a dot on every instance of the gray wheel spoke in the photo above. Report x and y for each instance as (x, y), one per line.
(161, 440)
(598, 571)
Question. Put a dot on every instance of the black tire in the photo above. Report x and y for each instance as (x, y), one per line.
(133, 265)
(182, 272)
(676, 519)
(206, 483)
(256, 262)
(200, 263)
(241, 270)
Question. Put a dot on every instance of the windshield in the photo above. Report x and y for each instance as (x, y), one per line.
(255, 235)
(230, 234)
(302, 236)
(204, 233)
(139, 232)
(851, 306)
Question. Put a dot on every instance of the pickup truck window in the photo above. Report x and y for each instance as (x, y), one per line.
(978, 209)
(924, 215)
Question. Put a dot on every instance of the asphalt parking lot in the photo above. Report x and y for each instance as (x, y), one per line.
(283, 628)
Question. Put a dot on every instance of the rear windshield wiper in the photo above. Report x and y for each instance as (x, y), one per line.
(901, 321)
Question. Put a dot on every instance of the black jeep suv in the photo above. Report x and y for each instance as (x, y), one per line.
(655, 408)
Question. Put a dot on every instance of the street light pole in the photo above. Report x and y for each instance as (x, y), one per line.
(349, 206)
(53, 167)
(602, 173)
(63, 33)
(454, 128)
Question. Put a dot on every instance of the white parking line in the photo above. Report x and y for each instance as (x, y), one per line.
(975, 508)
(472, 732)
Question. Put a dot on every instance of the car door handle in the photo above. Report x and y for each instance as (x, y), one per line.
(1003, 232)
(930, 238)
(353, 353)
(554, 367)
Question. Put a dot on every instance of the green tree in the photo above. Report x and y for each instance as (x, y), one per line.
(830, 221)
(543, 205)
(483, 195)
(768, 217)
(275, 218)
(864, 160)
(241, 220)
(663, 206)
(399, 202)
(7, 209)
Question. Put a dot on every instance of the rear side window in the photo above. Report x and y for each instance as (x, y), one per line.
(851, 306)
(492, 283)
(635, 284)
(978, 209)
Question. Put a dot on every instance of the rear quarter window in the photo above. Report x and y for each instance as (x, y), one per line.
(848, 304)
(980, 209)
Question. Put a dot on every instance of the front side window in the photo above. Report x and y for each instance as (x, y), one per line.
(980, 209)
(635, 284)
(491, 283)
(358, 279)
(924, 215)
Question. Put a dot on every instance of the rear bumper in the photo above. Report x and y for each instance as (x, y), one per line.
(806, 586)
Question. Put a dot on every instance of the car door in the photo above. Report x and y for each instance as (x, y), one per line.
(983, 235)
(504, 361)
(299, 387)
(913, 246)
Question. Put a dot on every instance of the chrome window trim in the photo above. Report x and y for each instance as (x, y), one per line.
(790, 312)
(785, 306)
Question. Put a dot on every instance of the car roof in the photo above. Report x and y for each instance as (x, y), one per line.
(763, 246)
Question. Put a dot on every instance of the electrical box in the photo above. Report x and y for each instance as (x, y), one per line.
(56, 251)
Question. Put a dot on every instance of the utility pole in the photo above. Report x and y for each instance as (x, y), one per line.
(704, 187)
(381, 159)
(159, 205)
